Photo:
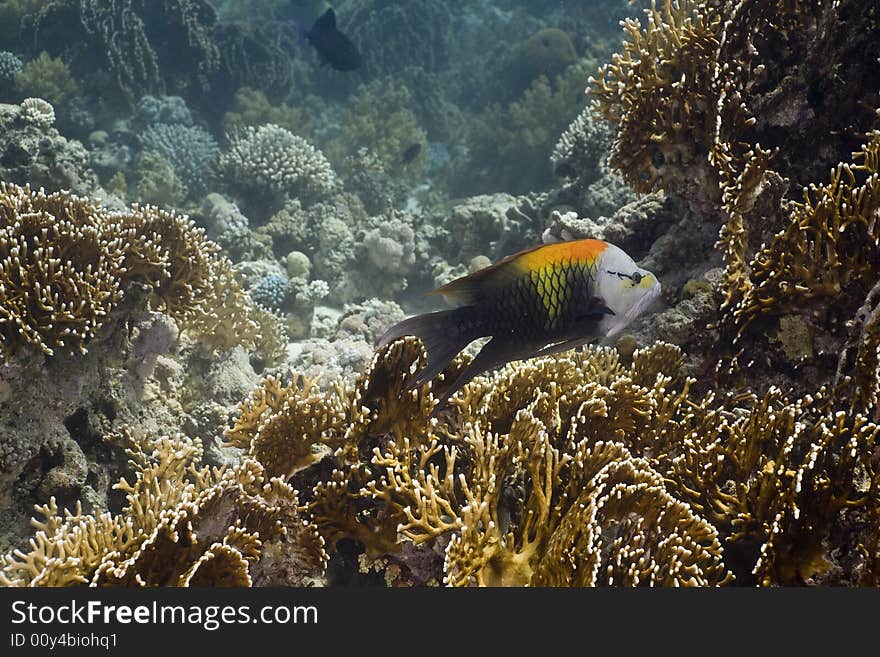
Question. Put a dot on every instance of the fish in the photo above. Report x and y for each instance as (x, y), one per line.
(333, 46)
(541, 301)
(412, 152)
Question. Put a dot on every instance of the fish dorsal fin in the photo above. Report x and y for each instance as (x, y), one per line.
(471, 288)
(327, 21)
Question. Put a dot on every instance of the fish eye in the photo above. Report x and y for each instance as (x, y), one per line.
(636, 278)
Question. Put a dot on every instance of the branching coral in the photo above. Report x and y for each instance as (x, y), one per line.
(65, 264)
(271, 159)
(59, 272)
(830, 245)
(580, 470)
(182, 526)
(190, 150)
(48, 78)
(567, 470)
(285, 426)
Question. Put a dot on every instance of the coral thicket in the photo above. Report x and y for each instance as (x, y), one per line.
(66, 264)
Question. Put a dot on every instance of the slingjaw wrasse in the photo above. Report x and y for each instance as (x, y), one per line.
(537, 302)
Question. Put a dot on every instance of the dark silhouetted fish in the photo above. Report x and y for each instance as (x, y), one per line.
(412, 152)
(537, 302)
(333, 46)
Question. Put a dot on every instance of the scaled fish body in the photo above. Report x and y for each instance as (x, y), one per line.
(537, 302)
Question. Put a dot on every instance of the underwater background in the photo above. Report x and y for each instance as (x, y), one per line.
(212, 210)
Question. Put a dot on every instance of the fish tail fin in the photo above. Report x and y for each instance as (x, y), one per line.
(443, 335)
(494, 353)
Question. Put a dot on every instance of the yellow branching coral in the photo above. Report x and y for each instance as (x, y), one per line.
(66, 263)
(577, 469)
(182, 526)
(610, 521)
(679, 94)
(287, 428)
(381, 403)
(660, 94)
(170, 254)
(774, 474)
(510, 507)
(502, 482)
(559, 470)
(60, 274)
(830, 243)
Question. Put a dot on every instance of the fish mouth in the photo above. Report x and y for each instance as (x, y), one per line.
(643, 303)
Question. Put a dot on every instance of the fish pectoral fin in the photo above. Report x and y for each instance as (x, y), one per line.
(595, 312)
(599, 307)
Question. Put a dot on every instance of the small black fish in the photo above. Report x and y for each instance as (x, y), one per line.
(412, 152)
(332, 45)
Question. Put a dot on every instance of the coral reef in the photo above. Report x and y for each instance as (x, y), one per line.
(48, 78)
(422, 30)
(719, 140)
(67, 263)
(271, 160)
(836, 220)
(32, 152)
(571, 480)
(201, 403)
(492, 225)
(181, 526)
(190, 150)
